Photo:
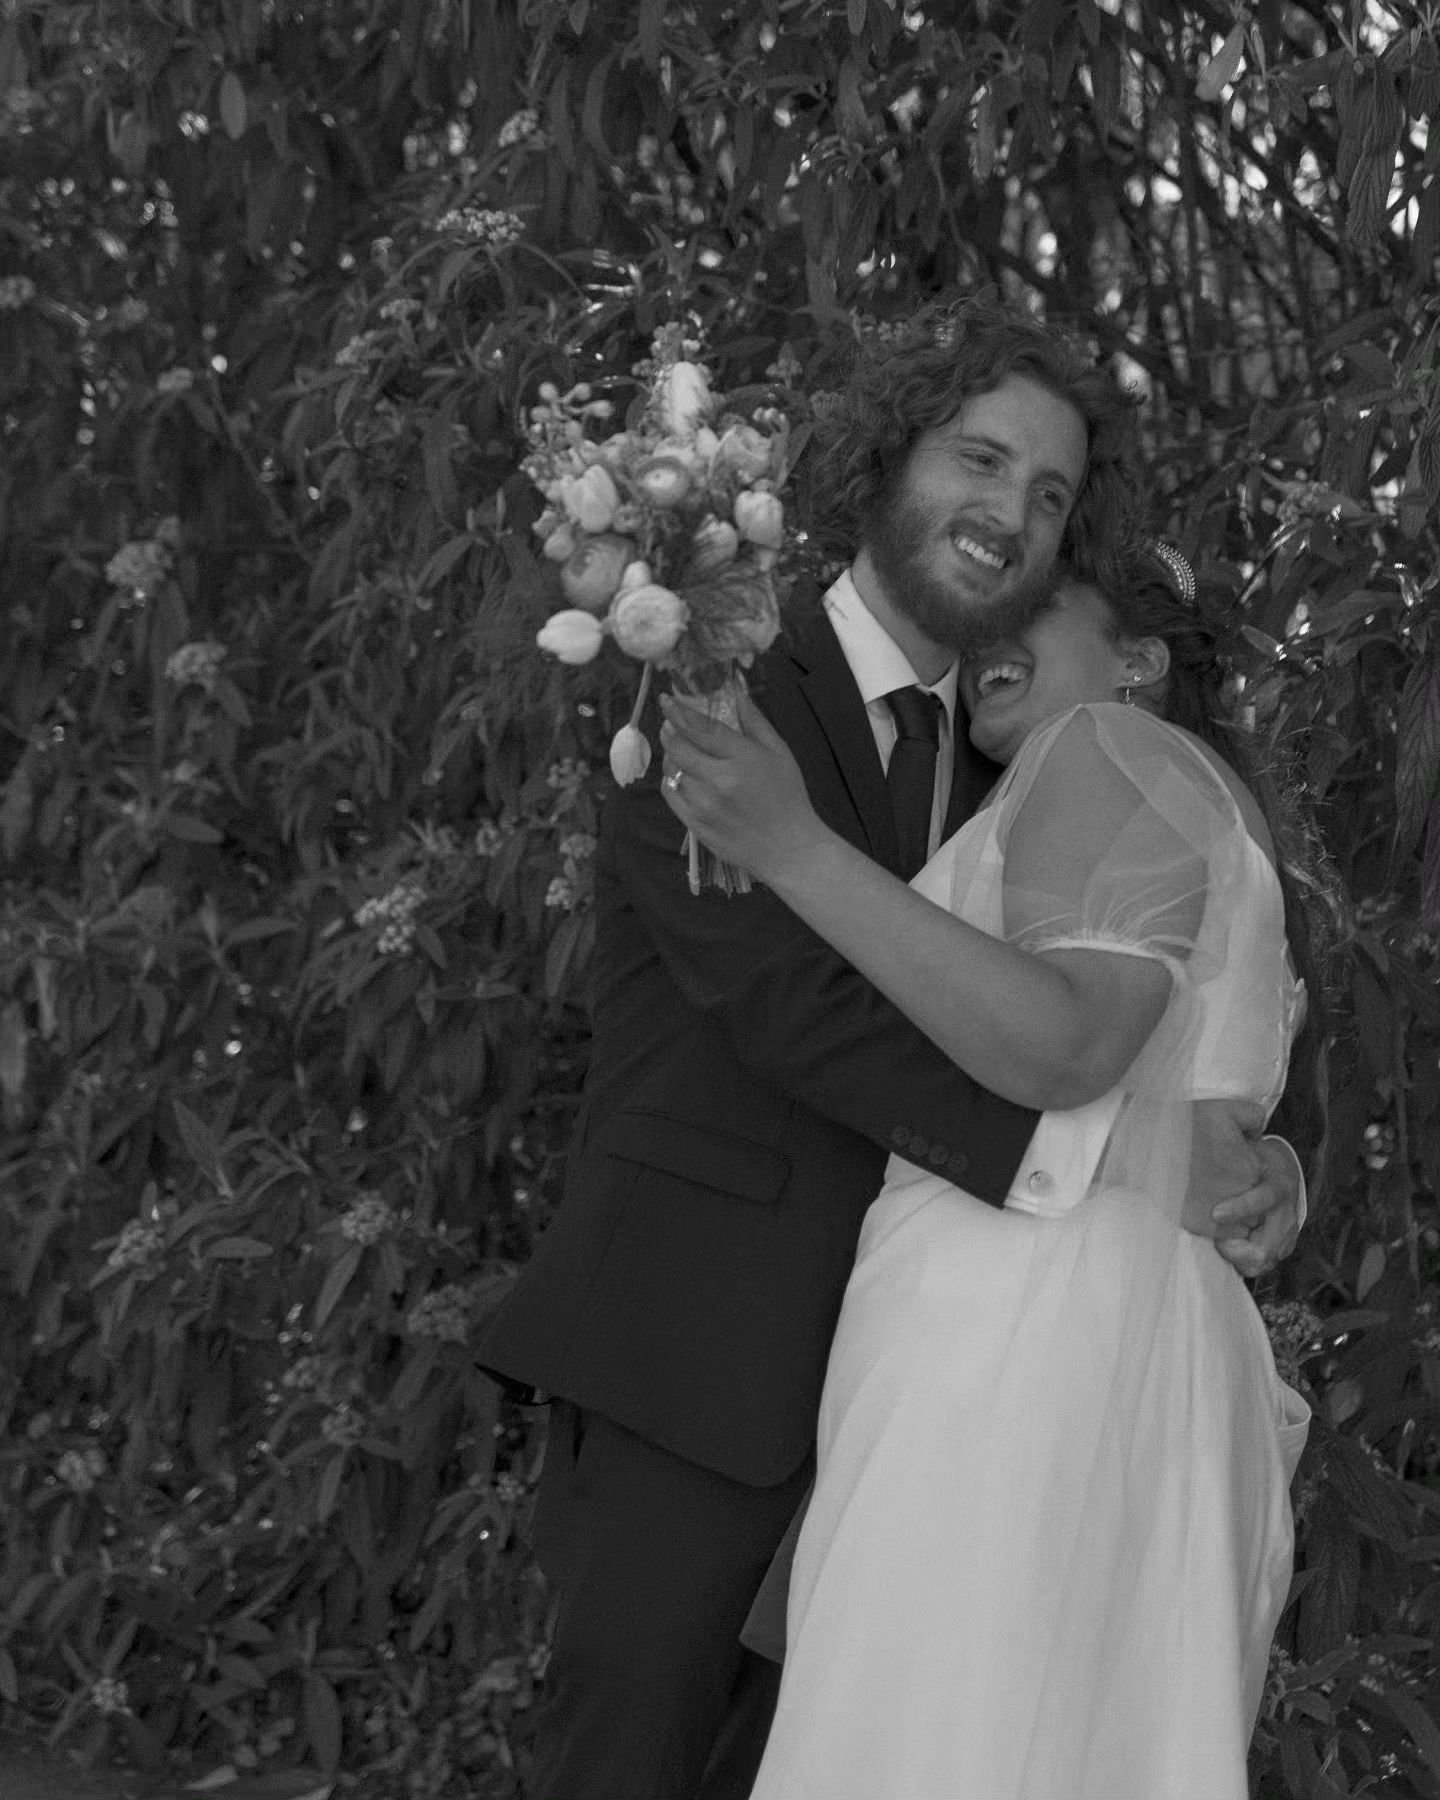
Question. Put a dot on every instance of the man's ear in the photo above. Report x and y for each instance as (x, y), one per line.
(1147, 661)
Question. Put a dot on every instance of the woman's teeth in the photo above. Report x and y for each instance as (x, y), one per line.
(990, 559)
(998, 675)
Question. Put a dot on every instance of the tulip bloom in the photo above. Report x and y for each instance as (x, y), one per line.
(571, 635)
(629, 754)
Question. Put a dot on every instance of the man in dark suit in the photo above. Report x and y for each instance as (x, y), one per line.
(747, 1086)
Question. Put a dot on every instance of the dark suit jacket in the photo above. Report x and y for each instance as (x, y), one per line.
(746, 1085)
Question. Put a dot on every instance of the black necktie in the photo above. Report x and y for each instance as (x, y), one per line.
(911, 776)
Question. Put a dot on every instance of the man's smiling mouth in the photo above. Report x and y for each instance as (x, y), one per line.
(981, 553)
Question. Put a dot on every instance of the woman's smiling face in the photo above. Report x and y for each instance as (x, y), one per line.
(1069, 655)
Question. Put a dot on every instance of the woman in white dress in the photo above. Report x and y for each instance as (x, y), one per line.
(1050, 1537)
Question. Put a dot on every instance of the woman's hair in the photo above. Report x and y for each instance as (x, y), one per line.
(901, 386)
(1198, 695)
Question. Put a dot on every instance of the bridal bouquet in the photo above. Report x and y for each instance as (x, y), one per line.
(667, 533)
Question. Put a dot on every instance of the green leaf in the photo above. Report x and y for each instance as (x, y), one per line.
(1417, 753)
(322, 1720)
(197, 1137)
(1222, 67)
(652, 17)
(337, 1278)
(190, 829)
(234, 114)
(238, 1249)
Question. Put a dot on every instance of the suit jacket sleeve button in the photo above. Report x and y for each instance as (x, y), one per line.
(939, 1155)
(919, 1149)
(900, 1137)
(959, 1162)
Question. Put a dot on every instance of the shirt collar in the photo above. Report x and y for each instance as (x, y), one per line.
(876, 661)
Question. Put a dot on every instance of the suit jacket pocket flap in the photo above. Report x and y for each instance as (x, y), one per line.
(697, 1154)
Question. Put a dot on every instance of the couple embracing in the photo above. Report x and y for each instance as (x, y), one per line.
(900, 1260)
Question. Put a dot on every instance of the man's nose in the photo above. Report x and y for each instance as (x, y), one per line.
(1006, 504)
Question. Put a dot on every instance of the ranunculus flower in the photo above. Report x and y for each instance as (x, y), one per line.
(663, 480)
(559, 545)
(637, 574)
(744, 451)
(647, 621)
(760, 519)
(571, 635)
(591, 498)
(629, 754)
(684, 398)
(736, 614)
(592, 572)
(714, 544)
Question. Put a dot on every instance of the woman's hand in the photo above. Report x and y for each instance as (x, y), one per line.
(740, 791)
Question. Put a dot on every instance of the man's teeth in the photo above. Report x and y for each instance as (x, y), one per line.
(991, 559)
(999, 675)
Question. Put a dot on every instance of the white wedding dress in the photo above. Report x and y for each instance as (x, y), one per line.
(1050, 1536)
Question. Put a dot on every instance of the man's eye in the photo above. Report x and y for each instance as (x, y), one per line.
(978, 459)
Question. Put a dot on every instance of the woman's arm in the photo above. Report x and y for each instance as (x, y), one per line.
(1048, 1029)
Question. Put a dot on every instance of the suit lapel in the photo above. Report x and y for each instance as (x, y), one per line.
(826, 694)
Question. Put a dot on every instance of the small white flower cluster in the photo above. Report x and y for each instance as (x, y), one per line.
(397, 908)
(81, 1469)
(142, 564)
(131, 312)
(139, 1244)
(568, 889)
(1294, 1334)
(174, 381)
(16, 291)
(1379, 1145)
(109, 1695)
(196, 664)
(400, 309)
(342, 1426)
(445, 1314)
(303, 1374)
(368, 1219)
(518, 128)
(482, 225)
(488, 838)
(360, 351)
(508, 1488)
(567, 776)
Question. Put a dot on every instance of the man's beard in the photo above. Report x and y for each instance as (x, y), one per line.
(900, 539)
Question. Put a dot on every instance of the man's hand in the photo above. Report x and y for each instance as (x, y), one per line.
(1244, 1189)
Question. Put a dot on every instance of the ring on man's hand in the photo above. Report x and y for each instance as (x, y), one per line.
(673, 781)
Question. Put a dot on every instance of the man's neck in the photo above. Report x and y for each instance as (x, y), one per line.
(928, 659)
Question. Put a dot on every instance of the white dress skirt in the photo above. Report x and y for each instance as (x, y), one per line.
(1050, 1537)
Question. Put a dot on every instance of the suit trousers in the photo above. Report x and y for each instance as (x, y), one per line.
(649, 1693)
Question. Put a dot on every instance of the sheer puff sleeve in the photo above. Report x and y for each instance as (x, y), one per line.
(1114, 832)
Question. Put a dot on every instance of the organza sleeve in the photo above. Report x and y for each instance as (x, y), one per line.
(1115, 832)
(1108, 832)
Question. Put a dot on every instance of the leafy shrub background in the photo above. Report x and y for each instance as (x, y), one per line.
(293, 905)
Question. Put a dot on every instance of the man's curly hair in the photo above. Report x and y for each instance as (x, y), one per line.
(902, 386)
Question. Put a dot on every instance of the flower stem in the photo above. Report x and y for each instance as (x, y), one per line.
(641, 697)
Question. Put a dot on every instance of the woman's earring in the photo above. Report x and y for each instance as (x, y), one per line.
(1129, 695)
